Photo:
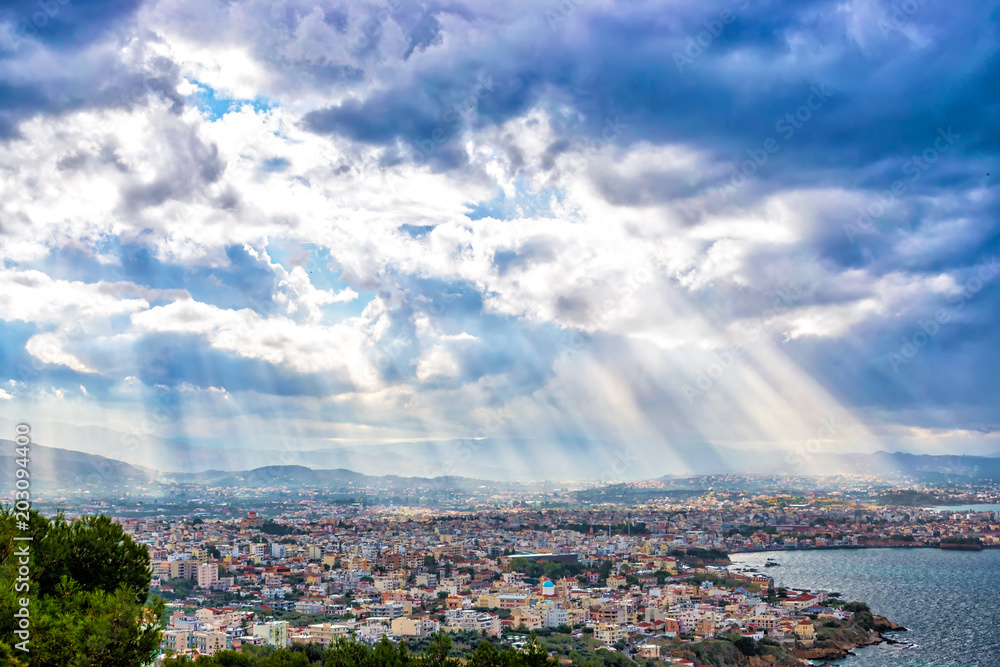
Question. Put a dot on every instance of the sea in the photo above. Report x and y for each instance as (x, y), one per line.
(967, 508)
(948, 600)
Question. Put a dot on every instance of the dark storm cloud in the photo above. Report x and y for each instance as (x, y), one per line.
(80, 68)
(883, 96)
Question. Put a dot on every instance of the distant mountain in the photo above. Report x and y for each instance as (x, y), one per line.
(514, 460)
(54, 469)
(329, 479)
(145, 449)
(925, 467)
(51, 468)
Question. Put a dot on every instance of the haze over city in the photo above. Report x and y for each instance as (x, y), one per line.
(549, 333)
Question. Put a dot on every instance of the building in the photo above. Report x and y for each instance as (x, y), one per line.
(210, 642)
(651, 651)
(207, 574)
(327, 633)
(178, 641)
(609, 633)
(805, 631)
(388, 610)
(274, 633)
(474, 621)
(182, 569)
(610, 613)
(309, 606)
(414, 627)
(553, 618)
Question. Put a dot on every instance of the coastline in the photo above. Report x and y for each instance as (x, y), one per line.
(822, 651)
(843, 649)
(840, 547)
(930, 592)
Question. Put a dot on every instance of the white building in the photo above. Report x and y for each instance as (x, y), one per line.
(274, 633)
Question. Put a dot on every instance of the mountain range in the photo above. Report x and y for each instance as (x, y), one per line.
(54, 468)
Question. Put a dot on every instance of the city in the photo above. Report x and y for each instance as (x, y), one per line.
(532, 333)
(644, 581)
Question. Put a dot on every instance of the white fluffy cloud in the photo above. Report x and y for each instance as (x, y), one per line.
(551, 241)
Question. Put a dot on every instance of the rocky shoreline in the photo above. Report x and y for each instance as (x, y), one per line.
(842, 649)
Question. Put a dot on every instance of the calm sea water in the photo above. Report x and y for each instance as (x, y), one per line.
(949, 600)
(966, 508)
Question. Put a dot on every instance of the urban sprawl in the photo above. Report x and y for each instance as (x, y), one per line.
(644, 581)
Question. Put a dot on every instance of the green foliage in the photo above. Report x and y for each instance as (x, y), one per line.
(747, 646)
(9, 658)
(551, 569)
(351, 653)
(962, 540)
(271, 527)
(698, 555)
(636, 528)
(89, 583)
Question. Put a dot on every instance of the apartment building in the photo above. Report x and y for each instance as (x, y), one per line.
(609, 633)
(207, 574)
(414, 627)
(274, 633)
(210, 642)
(327, 633)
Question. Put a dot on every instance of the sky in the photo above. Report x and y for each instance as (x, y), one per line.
(577, 230)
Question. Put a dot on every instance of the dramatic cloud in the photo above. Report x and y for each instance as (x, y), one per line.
(562, 229)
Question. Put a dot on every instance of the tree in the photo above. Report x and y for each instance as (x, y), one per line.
(535, 655)
(430, 563)
(438, 650)
(485, 655)
(862, 614)
(747, 646)
(89, 585)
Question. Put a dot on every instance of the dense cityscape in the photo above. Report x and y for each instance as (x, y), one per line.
(652, 583)
(532, 333)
